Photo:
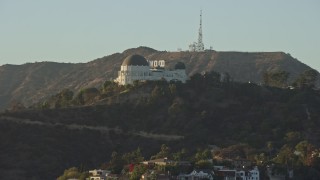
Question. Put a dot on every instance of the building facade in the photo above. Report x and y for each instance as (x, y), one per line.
(137, 68)
(98, 174)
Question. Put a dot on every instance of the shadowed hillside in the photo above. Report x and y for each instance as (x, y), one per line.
(31, 82)
(41, 143)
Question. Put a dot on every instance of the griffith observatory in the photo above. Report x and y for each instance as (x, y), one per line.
(137, 68)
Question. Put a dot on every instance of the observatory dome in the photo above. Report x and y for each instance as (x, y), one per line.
(135, 60)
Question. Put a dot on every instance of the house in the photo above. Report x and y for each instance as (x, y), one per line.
(227, 174)
(274, 175)
(165, 161)
(233, 174)
(159, 162)
(197, 175)
(253, 174)
(158, 168)
(113, 177)
(98, 174)
(154, 175)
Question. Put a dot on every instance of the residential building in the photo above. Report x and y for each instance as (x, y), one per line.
(197, 175)
(98, 174)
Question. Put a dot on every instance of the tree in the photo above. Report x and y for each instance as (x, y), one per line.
(138, 171)
(180, 155)
(116, 163)
(315, 159)
(73, 173)
(292, 138)
(202, 158)
(304, 151)
(260, 158)
(200, 82)
(64, 98)
(270, 148)
(242, 151)
(159, 91)
(285, 156)
(196, 81)
(164, 152)
(212, 78)
(276, 79)
(203, 164)
(109, 86)
(203, 155)
(173, 89)
(133, 157)
(306, 80)
(86, 95)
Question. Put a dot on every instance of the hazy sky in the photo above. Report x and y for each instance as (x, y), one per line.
(83, 30)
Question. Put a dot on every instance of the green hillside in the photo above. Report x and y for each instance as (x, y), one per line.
(83, 128)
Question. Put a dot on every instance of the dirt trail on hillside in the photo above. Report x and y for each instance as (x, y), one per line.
(101, 129)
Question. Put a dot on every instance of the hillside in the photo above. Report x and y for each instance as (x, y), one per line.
(31, 82)
(41, 143)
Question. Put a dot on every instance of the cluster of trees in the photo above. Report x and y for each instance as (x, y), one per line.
(279, 78)
(86, 96)
(74, 173)
(298, 152)
(276, 79)
(198, 82)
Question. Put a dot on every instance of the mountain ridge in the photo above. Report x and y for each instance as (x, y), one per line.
(31, 82)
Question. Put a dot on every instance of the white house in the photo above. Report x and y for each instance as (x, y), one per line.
(233, 174)
(137, 68)
(253, 174)
(98, 174)
(197, 175)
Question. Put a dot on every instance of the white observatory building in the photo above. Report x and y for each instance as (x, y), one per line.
(137, 68)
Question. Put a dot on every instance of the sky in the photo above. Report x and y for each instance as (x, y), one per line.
(82, 30)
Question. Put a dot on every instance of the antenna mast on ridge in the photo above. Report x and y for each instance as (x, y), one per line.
(200, 45)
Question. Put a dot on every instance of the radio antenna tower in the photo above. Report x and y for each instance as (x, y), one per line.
(200, 45)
